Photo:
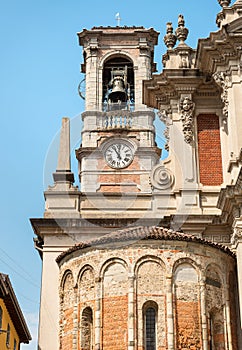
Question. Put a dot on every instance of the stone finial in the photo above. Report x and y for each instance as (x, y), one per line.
(169, 38)
(181, 32)
(224, 3)
(63, 170)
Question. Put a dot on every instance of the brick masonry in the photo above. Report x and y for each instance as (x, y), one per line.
(187, 308)
(209, 150)
(117, 281)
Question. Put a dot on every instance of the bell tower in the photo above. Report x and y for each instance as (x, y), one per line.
(118, 147)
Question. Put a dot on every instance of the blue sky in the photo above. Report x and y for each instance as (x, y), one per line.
(40, 60)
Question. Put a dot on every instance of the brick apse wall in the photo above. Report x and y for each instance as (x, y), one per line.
(105, 293)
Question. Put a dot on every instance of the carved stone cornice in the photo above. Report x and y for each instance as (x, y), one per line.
(228, 12)
(220, 49)
(169, 85)
(230, 201)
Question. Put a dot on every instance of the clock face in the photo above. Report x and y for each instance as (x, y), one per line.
(118, 155)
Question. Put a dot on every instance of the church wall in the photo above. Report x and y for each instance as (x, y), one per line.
(168, 276)
(187, 306)
(234, 309)
(86, 301)
(67, 312)
(115, 307)
(150, 282)
(215, 304)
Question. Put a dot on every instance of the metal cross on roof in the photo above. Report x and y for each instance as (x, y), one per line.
(118, 19)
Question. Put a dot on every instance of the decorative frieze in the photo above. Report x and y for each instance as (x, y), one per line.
(187, 107)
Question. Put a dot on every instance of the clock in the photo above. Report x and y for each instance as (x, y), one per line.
(82, 89)
(118, 155)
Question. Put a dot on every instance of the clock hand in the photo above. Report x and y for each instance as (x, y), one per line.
(117, 152)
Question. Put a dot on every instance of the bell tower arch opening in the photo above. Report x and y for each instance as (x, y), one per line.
(118, 83)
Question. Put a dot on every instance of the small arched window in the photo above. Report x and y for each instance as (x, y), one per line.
(150, 320)
(87, 329)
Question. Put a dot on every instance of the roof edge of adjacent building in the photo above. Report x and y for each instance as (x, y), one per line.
(14, 310)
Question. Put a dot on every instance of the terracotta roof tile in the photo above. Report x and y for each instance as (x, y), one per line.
(142, 233)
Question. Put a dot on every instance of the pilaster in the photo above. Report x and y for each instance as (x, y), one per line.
(236, 241)
(98, 311)
(169, 313)
(131, 313)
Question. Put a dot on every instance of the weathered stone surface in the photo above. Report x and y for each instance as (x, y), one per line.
(118, 281)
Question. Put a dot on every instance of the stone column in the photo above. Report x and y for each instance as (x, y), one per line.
(203, 312)
(98, 308)
(169, 310)
(131, 313)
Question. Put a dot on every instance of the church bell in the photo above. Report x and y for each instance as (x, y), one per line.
(118, 92)
(118, 86)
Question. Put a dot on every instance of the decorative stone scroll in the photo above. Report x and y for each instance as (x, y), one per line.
(165, 116)
(161, 178)
(187, 108)
(223, 81)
